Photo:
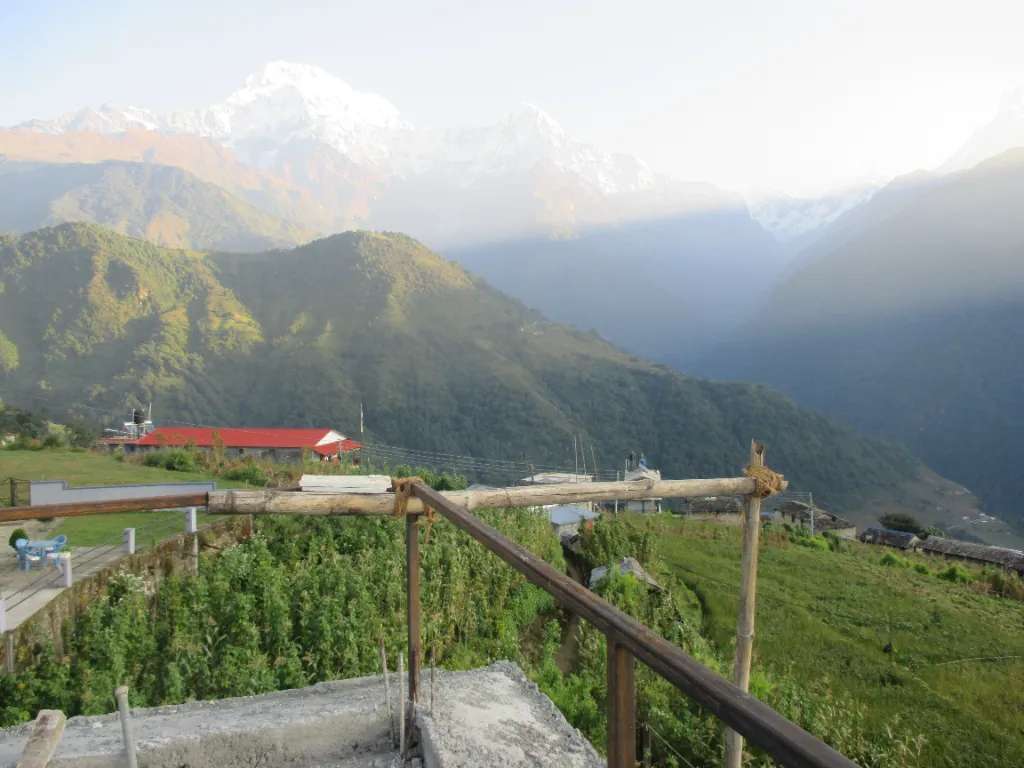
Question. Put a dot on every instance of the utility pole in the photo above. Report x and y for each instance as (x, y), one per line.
(575, 458)
(748, 595)
(810, 510)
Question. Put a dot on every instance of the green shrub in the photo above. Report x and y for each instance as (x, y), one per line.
(153, 459)
(52, 441)
(835, 543)
(891, 558)
(1005, 584)
(17, 533)
(174, 459)
(921, 568)
(247, 472)
(955, 573)
(180, 460)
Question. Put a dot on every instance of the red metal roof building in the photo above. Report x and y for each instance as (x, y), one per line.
(251, 441)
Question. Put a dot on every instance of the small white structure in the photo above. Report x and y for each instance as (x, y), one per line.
(345, 483)
(567, 519)
(555, 478)
(626, 565)
(643, 506)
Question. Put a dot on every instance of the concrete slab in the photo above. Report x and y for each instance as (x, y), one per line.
(341, 724)
(496, 716)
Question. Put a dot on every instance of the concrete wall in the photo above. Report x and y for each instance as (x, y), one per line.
(59, 492)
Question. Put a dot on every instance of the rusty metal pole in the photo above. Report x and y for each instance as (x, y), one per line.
(412, 593)
(621, 706)
(748, 599)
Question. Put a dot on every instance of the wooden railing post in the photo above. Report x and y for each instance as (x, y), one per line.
(748, 601)
(621, 706)
(412, 592)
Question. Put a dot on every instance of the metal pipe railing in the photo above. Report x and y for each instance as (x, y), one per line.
(785, 741)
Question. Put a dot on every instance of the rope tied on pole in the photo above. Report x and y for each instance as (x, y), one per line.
(402, 487)
(767, 482)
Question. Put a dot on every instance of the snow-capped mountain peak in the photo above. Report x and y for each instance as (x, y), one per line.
(322, 96)
(286, 102)
(1005, 131)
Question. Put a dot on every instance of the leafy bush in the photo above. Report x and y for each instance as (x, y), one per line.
(921, 568)
(181, 460)
(17, 533)
(955, 573)
(174, 459)
(153, 459)
(891, 558)
(247, 472)
(1004, 584)
(52, 441)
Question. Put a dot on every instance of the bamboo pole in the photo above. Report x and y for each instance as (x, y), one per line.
(748, 598)
(127, 733)
(270, 502)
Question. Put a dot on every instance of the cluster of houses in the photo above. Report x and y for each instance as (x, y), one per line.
(983, 554)
(567, 520)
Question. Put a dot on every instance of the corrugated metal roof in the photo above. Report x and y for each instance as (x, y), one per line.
(939, 545)
(243, 437)
(568, 514)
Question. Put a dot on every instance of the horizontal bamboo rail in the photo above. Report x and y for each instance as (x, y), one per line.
(271, 502)
(299, 503)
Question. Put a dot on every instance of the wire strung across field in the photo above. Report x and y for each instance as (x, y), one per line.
(514, 470)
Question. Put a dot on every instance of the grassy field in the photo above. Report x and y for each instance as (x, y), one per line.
(936, 657)
(89, 468)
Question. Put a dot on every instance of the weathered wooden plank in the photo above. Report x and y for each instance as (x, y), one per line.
(46, 734)
(103, 507)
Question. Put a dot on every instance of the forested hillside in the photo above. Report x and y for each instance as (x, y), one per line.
(667, 289)
(906, 322)
(93, 319)
(165, 205)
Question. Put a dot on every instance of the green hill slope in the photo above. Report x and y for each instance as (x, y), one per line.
(907, 323)
(439, 360)
(165, 205)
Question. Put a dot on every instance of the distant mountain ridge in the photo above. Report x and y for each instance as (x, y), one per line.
(365, 165)
(165, 205)
(906, 321)
(439, 360)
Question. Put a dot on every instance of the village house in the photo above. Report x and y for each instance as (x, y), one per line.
(643, 506)
(568, 519)
(1010, 559)
(890, 538)
(800, 513)
(257, 442)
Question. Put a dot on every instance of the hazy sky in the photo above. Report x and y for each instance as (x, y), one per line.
(796, 96)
